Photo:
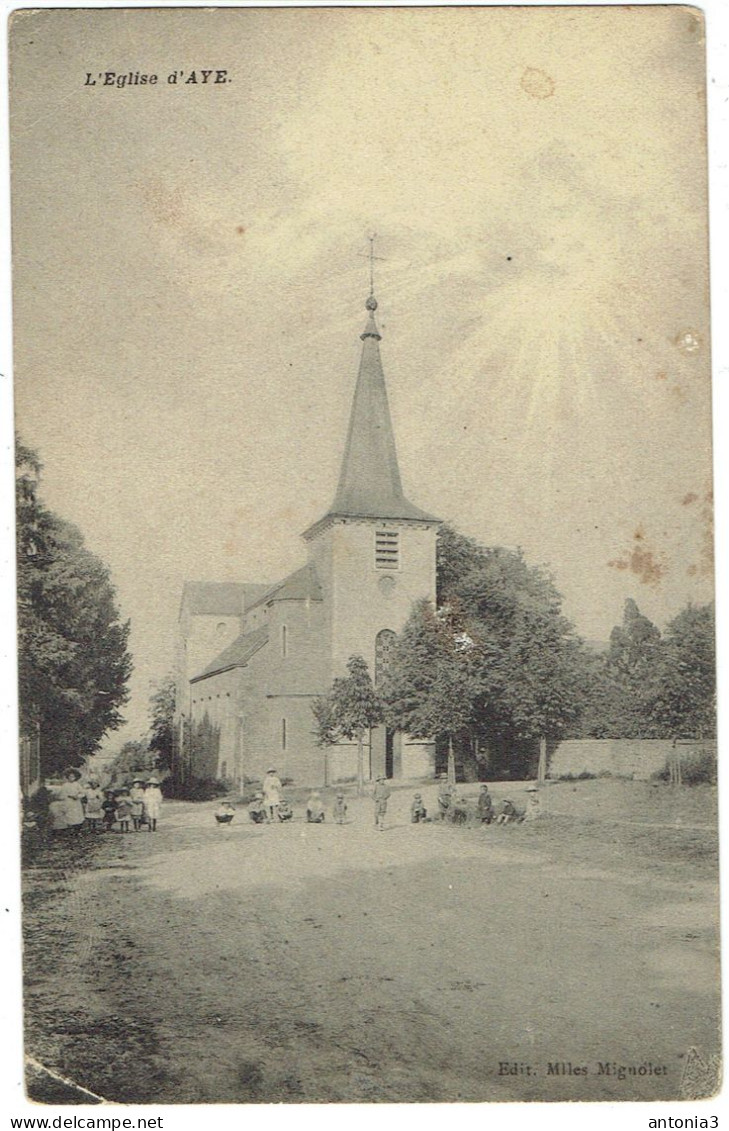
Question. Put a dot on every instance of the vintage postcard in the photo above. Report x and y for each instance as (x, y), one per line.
(365, 566)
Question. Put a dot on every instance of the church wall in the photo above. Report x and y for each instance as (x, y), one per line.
(285, 676)
(320, 556)
(214, 714)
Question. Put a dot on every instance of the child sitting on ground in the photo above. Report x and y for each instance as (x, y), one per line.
(418, 812)
(257, 811)
(340, 807)
(458, 812)
(509, 813)
(224, 813)
(315, 808)
(285, 810)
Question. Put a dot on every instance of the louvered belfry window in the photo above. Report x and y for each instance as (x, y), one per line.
(387, 549)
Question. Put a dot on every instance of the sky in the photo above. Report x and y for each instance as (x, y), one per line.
(190, 270)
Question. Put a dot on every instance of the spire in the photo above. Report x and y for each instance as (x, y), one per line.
(369, 481)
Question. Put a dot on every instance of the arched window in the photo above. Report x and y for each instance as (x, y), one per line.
(384, 644)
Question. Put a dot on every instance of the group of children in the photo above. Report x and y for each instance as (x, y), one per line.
(73, 806)
(451, 807)
(129, 808)
(261, 812)
(455, 810)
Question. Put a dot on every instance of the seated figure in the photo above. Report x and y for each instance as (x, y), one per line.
(315, 808)
(257, 810)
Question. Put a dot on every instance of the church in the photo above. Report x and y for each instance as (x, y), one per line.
(251, 658)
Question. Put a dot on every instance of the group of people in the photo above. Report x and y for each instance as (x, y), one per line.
(454, 809)
(74, 805)
(131, 808)
(269, 806)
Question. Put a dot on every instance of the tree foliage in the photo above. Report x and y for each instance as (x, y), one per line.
(622, 678)
(162, 719)
(532, 662)
(72, 647)
(349, 710)
(433, 678)
(683, 700)
(134, 757)
(520, 677)
(652, 686)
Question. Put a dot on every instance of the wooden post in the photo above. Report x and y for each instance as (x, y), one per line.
(451, 762)
(360, 764)
(542, 770)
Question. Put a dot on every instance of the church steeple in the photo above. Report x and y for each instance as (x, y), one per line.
(369, 481)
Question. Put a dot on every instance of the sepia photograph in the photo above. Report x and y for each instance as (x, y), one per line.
(365, 564)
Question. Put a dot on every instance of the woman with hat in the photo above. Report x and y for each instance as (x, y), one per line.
(272, 793)
(152, 803)
(67, 809)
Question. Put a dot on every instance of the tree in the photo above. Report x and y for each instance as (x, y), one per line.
(432, 682)
(162, 720)
(72, 649)
(531, 666)
(622, 681)
(683, 699)
(134, 757)
(349, 709)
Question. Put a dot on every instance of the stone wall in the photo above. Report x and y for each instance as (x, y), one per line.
(622, 757)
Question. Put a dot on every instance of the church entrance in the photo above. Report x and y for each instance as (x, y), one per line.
(393, 753)
(386, 757)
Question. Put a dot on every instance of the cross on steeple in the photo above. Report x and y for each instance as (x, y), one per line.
(372, 257)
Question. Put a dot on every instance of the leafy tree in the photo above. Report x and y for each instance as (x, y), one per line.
(349, 709)
(134, 757)
(433, 678)
(532, 668)
(683, 700)
(622, 681)
(72, 649)
(162, 719)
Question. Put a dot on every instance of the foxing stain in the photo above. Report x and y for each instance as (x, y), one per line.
(537, 83)
(647, 565)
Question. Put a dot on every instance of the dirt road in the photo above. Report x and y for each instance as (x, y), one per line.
(324, 963)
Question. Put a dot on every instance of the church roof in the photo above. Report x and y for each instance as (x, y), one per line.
(237, 654)
(301, 585)
(220, 598)
(369, 481)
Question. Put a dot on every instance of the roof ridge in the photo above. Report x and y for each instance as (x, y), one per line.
(255, 637)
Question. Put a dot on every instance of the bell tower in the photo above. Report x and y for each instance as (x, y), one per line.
(374, 550)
